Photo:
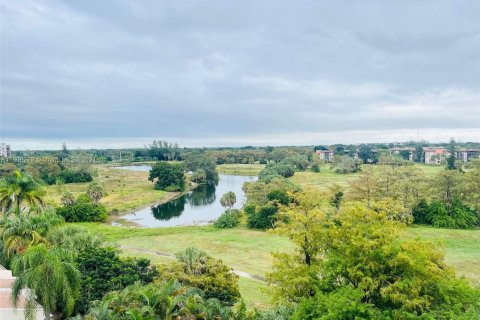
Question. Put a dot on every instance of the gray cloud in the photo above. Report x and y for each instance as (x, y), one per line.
(250, 72)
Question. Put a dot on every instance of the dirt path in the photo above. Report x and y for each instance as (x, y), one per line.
(239, 273)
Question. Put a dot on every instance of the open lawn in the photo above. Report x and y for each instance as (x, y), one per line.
(250, 250)
(462, 248)
(125, 190)
(240, 169)
(327, 177)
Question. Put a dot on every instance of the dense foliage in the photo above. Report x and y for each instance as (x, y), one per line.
(229, 219)
(454, 215)
(83, 210)
(200, 161)
(194, 268)
(166, 300)
(352, 266)
(102, 270)
(168, 176)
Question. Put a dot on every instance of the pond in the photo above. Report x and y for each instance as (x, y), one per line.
(198, 207)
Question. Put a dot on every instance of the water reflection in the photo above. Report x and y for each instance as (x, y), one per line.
(199, 206)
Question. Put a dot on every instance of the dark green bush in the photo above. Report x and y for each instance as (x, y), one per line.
(263, 218)
(70, 176)
(83, 210)
(279, 196)
(454, 215)
(229, 219)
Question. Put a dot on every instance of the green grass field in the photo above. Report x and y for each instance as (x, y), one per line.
(250, 250)
(327, 177)
(125, 190)
(240, 169)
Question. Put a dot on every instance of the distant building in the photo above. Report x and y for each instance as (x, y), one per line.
(5, 150)
(467, 154)
(401, 150)
(326, 155)
(434, 155)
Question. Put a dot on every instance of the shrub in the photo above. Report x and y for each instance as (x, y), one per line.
(279, 196)
(83, 210)
(454, 215)
(70, 176)
(263, 218)
(194, 268)
(421, 212)
(229, 219)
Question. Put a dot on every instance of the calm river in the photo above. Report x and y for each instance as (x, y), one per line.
(197, 207)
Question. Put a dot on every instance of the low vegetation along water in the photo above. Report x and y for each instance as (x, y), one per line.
(197, 207)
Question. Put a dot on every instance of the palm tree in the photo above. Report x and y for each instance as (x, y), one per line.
(228, 199)
(52, 278)
(19, 189)
(23, 231)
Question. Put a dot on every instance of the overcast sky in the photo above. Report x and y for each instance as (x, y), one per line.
(218, 73)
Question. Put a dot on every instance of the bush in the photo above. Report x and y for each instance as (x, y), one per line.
(83, 210)
(454, 215)
(70, 176)
(279, 196)
(263, 218)
(194, 268)
(229, 219)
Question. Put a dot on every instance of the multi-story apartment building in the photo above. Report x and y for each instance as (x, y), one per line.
(467, 154)
(5, 150)
(326, 155)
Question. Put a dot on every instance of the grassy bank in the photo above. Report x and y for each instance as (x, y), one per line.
(240, 169)
(125, 190)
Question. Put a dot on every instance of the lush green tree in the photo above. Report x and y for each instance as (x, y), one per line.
(19, 192)
(168, 176)
(362, 263)
(195, 161)
(228, 199)
(51, 276)
(367, 154)
(102, 270)
(452, 155)
(418, 155)
(336, 196)
(365, 187)
(293, 273)
(8, 169)
(24, 230)
(45, 168)
(279, 197)
(194, 268)
(73, 238)
(199, 176)
(262, 217)
(346, 164)
(95, 192)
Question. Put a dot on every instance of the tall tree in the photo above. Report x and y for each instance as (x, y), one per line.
(228, 200)
(19, 192)
(51, 276)
(452, 155)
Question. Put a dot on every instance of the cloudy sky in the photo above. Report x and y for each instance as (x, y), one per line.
(214, 73)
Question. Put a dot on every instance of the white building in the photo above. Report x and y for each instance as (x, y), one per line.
(5, 150)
